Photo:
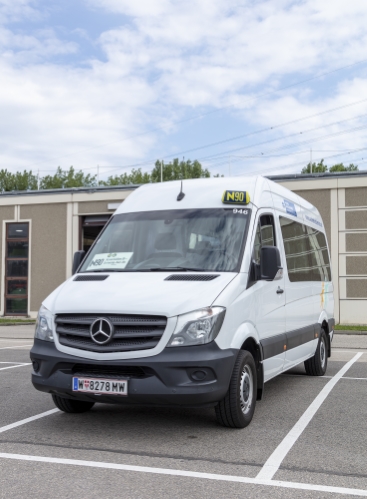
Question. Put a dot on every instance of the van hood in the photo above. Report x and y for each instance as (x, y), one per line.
(138, 293)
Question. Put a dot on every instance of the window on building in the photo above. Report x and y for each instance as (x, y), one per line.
(16, 269)
(91, 228)
(306, 252)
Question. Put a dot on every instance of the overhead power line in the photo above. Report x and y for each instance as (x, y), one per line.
(306, 142)
(256, 132)
(202, 115)
(285, 167)
(297, 134)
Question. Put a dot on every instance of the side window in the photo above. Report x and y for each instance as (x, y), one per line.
(306, 252)
(257, 245)
(265, 236)
(320, 255)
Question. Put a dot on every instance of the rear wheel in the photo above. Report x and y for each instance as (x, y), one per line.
(238, 406)
(317, 365)
(68, 405)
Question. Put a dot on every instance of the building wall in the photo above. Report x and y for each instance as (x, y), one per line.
(353, 253)
(55, 224)
(94, 207)
(7, 214)
(320, 199)
(48, 235)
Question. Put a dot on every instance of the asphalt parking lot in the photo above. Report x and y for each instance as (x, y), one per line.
(308, 439)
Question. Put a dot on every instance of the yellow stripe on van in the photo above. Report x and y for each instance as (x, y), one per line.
(235, 197)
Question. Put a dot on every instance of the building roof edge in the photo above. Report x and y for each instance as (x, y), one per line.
(70, 190)
(317, 176)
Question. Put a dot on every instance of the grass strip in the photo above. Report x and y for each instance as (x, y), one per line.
(348, 327)
(17, 321)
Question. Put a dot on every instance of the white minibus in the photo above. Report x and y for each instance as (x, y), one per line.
(195, 294)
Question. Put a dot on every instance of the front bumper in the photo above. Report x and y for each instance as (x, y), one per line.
(169, 376)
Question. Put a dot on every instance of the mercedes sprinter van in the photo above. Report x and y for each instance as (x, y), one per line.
(196, 293)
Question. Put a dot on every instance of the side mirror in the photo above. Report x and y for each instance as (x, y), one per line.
(270, 263)
(78, 258)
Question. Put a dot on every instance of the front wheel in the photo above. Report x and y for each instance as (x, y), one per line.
(238, 406)
(317, 365)
(71, 406)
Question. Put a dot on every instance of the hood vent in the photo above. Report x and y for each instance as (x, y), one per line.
(91, 277)
(191, 277)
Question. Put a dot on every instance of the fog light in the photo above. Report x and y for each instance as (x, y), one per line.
(36, 366)
(199, 375)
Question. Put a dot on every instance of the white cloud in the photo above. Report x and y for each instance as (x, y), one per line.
(14, 10)
(215, 51)
(171, 56)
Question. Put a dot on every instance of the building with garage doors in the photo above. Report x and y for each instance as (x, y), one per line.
(41, 230)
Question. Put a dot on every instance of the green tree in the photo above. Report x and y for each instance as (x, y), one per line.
(135, 177)
(67, 178)
(17, 181)
(322, 168)
(316, 168)
(341, 168)
(178, 170)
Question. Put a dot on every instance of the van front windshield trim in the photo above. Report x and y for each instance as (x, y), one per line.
(196, 240)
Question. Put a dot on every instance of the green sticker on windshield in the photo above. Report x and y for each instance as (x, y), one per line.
(235, 197)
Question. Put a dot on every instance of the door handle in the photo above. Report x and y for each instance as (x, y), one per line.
(280, 291)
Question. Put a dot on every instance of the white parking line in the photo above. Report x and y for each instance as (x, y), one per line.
(12, 367)
(295, 376)
(18, 346)
(189, 474)
(318, 377)
(336, 350)
(275, 460)
(20, 363)
(346, 377)
(27, 420)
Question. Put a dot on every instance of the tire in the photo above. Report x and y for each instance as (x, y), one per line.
(317, 365)
(238, 406)
(71, 406)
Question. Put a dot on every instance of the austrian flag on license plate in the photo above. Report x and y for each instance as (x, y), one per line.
(110, 386)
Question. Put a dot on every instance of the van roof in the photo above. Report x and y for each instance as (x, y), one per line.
(207, 193)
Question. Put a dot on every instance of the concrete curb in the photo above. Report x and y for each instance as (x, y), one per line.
(17, 324)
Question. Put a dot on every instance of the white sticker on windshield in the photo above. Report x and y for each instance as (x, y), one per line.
(110, 261)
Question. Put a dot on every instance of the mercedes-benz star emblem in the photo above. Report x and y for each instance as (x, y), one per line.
(101, 331)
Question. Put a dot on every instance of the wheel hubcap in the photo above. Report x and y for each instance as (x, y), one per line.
(246, 389)
(322, 353)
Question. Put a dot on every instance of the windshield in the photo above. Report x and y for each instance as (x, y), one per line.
(209, 239)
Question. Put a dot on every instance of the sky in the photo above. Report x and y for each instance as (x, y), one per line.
(243, 86)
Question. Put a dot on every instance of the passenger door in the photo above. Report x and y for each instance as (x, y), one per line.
(269, 299)
(300, 274)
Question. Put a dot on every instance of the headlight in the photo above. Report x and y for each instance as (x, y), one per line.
(197, 328)
(44, 324)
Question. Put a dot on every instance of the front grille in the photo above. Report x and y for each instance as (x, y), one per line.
(132, 332)
(113, 372)
(191, 277)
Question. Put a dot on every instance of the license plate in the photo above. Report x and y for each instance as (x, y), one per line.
(98, 385)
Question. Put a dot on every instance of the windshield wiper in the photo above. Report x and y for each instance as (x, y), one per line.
(102, 270)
